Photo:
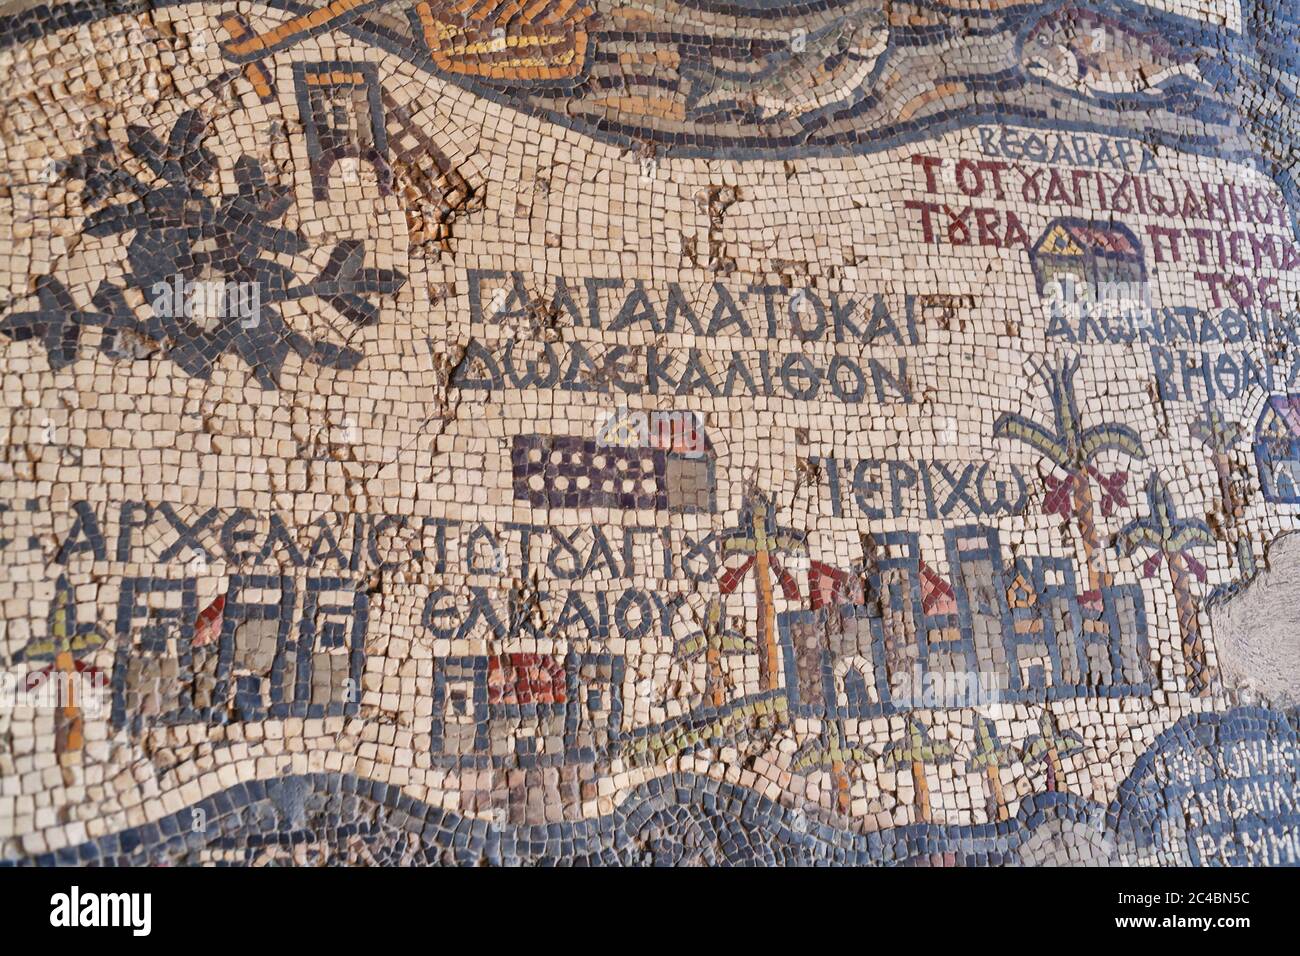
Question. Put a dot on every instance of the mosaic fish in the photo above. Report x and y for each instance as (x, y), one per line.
(744, 79)
(1096, 55)
(804, 73)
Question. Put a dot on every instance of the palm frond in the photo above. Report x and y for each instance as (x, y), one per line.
(1163, 530)
(823, 753)
(1161, 504)
(1050, 738)
(691, 647)
(1111, 437)
(916, 747)
(1215, 430)
(1191, 534)
(1035, 749)
(989, 751)
(62, 613)
(1142, 533)
(814, 758)
(1036, 436)
(1065, 404)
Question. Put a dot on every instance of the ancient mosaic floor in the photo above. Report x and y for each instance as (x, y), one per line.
(664, 431)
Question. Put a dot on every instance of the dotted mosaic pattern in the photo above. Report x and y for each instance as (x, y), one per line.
(684, 432)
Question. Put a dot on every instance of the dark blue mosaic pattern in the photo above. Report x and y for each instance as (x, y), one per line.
(1003, 66)
(683, 819)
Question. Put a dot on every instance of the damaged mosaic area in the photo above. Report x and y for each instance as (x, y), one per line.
(670, 432)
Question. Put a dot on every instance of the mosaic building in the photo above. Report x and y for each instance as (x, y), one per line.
(663, 432)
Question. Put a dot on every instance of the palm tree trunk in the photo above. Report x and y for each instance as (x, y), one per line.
(1231, 506)
(1199, 675)
(713, 654)
(1054, 772)
(995, 788)
(922, 791)
(841, 780)
(1097, 579)
(767, 664)
(68, 735)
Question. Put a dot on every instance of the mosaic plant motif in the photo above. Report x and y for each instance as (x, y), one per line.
(915, 751)
(1220, 436)
(991, 754)
(1169, 538)
(1047, 747)
(1074, 449)
(684, 433)
(180, 236)
(62, 651)
(759, 543)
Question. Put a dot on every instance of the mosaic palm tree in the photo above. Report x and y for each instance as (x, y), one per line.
(831, 753)
(1047, 747)
(1074, 449)
(991, 755)
(1169, 538)
(65, 643)
(915, 751)
(761, 541)
(713, 640)
(1219, 435)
